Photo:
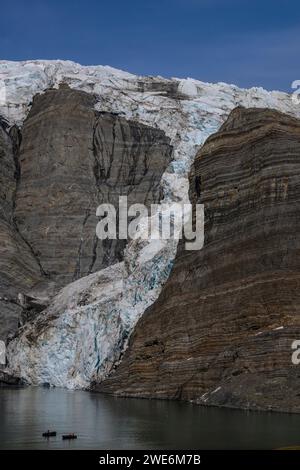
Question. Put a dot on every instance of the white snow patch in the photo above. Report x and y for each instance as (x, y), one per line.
(188, 87)
(216, 390)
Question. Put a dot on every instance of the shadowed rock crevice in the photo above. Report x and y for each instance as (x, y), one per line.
(228, 315)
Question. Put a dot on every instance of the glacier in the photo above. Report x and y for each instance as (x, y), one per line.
(82, 335)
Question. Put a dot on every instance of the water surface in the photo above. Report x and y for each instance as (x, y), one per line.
(103, 422)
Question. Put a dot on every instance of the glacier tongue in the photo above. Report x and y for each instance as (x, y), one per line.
(85, 330)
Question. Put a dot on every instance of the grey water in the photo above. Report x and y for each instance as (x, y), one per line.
(105, 423)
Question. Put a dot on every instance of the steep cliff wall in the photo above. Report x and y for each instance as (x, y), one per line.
(221, 332)
(19, 270)
(55, 171)
(72, 159)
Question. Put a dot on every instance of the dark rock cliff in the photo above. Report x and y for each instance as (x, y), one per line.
(73, 159)
(65, 161)
(19, 270)
(221, 332)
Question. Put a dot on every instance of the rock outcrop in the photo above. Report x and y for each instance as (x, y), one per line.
(72, 159)
(8, 381)
(66, 160)
(19, 270)
(222, 330)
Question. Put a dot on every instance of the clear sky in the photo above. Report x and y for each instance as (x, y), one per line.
(246, 42)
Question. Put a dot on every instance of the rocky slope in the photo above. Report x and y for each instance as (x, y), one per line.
(221, 332)
(83, 333)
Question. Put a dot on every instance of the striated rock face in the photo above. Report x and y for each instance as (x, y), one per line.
(19, 270)
(221, 332)
(73, 159)
(120, 118)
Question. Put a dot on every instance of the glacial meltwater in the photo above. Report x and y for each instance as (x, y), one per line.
(102, 422)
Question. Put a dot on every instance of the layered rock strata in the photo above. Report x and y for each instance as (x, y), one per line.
(222, 330)
(73, 159)
(19, 269)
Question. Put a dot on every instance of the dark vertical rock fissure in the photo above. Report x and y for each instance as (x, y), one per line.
(94, 254)
(77, 273)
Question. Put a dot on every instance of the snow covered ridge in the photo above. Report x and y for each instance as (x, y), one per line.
(84, 332)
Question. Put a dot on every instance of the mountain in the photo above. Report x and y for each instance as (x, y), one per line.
(222, 329)
(73, 137)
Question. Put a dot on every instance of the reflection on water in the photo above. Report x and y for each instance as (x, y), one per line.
(103, 422)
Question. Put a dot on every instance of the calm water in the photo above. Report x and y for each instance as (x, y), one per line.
(103, 422)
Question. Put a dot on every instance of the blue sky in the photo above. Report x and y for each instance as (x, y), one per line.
(249, 43)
